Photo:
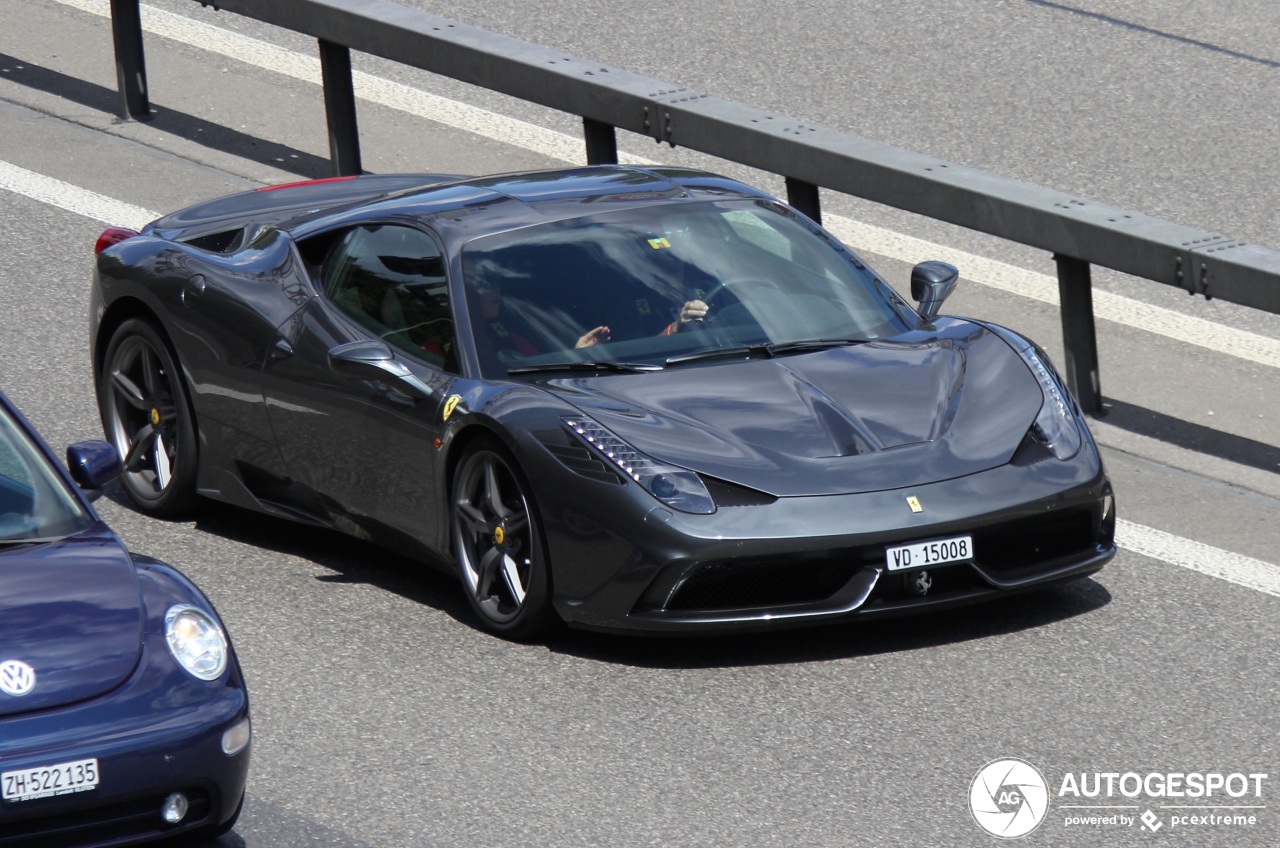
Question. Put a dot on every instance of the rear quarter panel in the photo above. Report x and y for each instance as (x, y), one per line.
(220, 314)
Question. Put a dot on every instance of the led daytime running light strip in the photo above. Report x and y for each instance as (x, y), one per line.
(1047, 382)
(618, 452)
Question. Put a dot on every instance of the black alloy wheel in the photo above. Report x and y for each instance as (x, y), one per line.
(498, 546)
(146, 416)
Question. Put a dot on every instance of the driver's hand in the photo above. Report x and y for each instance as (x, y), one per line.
(598, 335)
(693, 310)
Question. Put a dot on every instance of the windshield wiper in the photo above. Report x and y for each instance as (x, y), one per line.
(813, 344)
(768, 349)
(586, 365)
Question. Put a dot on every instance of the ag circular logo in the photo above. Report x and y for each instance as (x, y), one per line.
(1008, 798)
(16, 677)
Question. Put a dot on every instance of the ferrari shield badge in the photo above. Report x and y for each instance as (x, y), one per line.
(450, 403)
(914, 503)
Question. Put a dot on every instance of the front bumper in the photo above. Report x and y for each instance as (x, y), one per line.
(159, 733)
(805, 561)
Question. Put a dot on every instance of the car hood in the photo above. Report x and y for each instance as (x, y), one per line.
(72, 611)
(921, 408)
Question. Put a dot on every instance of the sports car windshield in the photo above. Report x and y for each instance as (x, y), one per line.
(665, 286)
(34, 503)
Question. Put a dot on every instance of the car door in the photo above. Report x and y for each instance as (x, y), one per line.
(357, 382)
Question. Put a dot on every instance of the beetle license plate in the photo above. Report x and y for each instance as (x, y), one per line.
(924, 554)
(47, 781)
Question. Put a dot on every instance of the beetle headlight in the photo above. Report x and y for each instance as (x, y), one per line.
(196, 641)
(1055, 427)
(678, 488)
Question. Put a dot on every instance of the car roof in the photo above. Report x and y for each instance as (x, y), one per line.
(466, 208)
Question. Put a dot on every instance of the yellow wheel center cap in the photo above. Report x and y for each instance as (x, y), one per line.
(499, 535)
(155, 416)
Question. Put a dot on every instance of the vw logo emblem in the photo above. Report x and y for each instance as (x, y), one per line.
(16, 678)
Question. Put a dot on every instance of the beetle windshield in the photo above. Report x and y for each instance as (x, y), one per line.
(663, 284)
(34, 501)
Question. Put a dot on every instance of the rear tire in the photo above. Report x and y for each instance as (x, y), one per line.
(497, 544)
(147, 416)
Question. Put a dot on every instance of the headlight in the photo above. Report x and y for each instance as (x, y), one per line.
(678, 488)
(1055, 426)
(196, 641)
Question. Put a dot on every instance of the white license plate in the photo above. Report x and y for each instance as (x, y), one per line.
(47, 781)
(924, 554)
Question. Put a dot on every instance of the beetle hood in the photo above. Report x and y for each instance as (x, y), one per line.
(881, 415)
(72, 612)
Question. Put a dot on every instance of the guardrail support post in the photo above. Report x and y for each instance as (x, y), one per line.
(602, 142)
(131, 69)
(340, 109)
(804, 197)
(1075, 294)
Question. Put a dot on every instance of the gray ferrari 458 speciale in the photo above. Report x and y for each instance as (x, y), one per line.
(635, 399)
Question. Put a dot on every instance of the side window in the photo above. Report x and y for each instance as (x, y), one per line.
(390, 279)
(17, 493)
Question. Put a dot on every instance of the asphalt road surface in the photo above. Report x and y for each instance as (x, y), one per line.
(383, 717)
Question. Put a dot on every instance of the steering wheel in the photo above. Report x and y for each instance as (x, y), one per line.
(729, 285)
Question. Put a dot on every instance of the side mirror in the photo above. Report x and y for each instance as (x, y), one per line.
(370, 359)
(931, 284)
(367, 358)
(93, 464)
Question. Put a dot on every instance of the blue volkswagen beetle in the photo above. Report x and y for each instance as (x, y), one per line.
(123, 712)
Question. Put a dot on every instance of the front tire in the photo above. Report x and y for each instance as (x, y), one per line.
(497, 544)
(146, 415)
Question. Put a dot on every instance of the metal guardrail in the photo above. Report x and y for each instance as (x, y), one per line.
(1078, 232)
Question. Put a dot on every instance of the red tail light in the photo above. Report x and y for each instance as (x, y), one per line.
(112, 235)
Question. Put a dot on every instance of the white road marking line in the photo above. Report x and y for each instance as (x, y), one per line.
(1244, 571)
(866, 238)
(1215, 562)
(72, 198)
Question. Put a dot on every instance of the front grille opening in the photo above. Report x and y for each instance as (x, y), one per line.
(1008, 548)
(762, 583)
(122, 821)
